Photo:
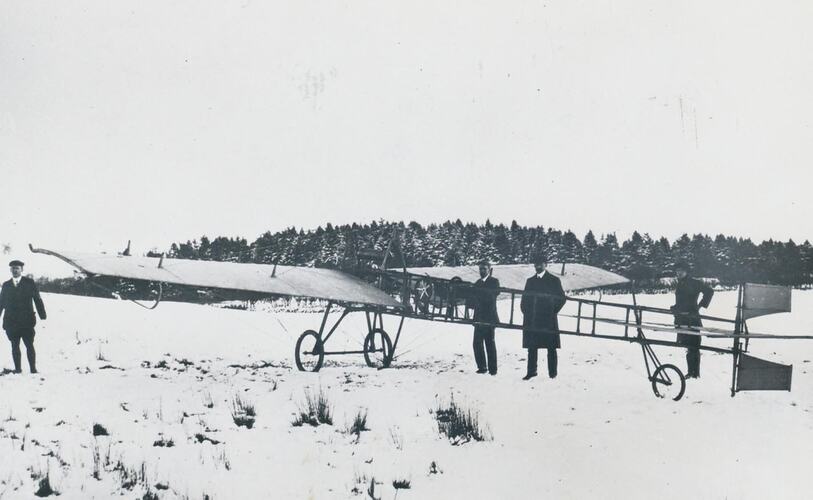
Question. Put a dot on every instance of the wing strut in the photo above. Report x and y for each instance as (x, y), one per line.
(136, 302)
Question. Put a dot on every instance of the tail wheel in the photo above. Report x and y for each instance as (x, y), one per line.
(310, 352)
(668, 382)
(378, 349)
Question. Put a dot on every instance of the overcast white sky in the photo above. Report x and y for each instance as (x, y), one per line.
(160, 121)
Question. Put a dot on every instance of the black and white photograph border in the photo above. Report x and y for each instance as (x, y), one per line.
(423, 250)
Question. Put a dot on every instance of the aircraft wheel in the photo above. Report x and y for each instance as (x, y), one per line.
(378, 349)
(310, 353)
(668, 382)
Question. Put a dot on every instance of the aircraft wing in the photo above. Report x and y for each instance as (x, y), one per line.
(573, 276)
(326, 284)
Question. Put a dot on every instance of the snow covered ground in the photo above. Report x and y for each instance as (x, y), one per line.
(597, 431)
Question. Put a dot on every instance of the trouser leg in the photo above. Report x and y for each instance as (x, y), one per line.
(689, 363)
(553, 362)
(15, 351)
(693, 361)
(30, 353)
(491, 351)
(692, 343)
(533, 354)
(479, 349)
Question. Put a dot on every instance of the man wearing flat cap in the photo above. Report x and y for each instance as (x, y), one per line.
(541, 301)
(18, 297)
(687, 314)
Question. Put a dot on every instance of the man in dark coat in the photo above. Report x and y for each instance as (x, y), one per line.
(484, 297)
(18, 297)
(540, 323)
(687, 314)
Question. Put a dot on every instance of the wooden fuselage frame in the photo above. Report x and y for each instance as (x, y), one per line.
(587, 318)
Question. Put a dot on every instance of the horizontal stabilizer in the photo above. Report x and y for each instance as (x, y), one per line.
(756, 374)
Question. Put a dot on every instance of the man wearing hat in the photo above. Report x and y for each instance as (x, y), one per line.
(486, 290)
(541, 302)
(18, 297)
(687, 313)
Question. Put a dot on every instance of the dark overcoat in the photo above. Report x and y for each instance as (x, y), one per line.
(687, 309)
(485, 294)
(539, 312)
(18, 304)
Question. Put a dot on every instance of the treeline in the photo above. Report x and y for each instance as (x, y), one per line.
(730, 260)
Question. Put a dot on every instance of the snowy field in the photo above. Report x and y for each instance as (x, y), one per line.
(172, 374)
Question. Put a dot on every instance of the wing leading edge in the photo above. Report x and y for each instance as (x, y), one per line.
(573, 276)
(326, 284)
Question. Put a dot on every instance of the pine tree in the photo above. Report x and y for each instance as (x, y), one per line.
(590, 247)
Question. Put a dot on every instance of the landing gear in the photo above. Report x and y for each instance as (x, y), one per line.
(668, 382)
(378, 349)
(310, 352)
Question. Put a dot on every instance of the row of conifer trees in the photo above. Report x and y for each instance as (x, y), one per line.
(641, 257)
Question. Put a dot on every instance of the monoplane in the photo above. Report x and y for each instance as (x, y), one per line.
(369, 285)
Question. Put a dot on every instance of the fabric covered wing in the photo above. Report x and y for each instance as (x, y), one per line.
(573, 277)
(327, 284)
